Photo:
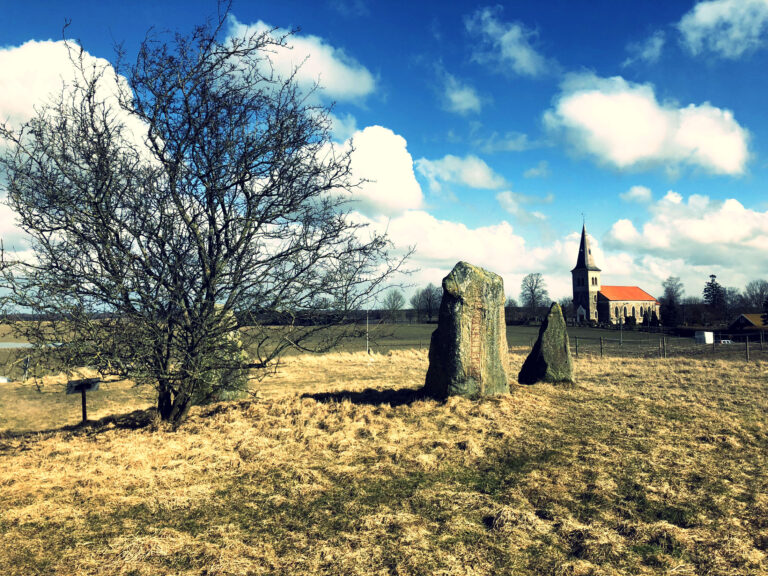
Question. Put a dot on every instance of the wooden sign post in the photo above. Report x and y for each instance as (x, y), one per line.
(83, 386)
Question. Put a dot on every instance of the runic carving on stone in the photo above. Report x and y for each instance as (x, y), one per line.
(468, 351)
(476, 343)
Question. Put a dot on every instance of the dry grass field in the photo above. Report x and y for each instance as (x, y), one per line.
(337, 466)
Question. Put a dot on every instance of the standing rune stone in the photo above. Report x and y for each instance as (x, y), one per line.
(550, 360)
(468, 351)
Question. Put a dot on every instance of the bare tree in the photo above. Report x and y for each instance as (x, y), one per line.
(393, 302)
(755, 293)
(417, 303)
(432, 296)
(151, 252)
(533, 292)
(672, 301)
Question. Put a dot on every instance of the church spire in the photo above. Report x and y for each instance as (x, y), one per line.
(585, 260)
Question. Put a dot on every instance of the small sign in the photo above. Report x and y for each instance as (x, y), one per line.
(84, 385)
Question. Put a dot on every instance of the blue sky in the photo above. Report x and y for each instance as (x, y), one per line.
(486, 130)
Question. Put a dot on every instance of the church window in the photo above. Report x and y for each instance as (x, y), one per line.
(616, 311)
(633, 311)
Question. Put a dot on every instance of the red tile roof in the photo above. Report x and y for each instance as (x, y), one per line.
(626, 293)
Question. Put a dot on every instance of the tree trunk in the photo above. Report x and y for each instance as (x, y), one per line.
(180, 408)
(164, 400)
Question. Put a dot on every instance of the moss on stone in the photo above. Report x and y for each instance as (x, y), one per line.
(468, 350)
(550, 359)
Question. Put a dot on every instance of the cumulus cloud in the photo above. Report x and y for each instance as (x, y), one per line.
(728, 28)
(341, 77)
(37, 73)
(459, 97)
(639, 194)
(648, 51)
(440, 244)
(692, 238)
(621, 123)
(699, 231)
(468, 171)
(381, 159)
(507, 44)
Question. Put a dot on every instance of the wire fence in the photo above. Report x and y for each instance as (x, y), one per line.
(746, 348)
(724, 346)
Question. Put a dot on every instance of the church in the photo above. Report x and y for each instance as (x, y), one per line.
(606, 304)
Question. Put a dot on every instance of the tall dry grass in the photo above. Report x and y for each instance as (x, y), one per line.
(338, 467)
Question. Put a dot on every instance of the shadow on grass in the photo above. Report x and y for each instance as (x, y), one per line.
(372, 397)
(135, 420)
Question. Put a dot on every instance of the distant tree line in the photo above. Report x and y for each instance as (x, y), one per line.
(717, 304)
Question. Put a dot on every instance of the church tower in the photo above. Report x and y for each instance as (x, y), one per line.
(586, 282)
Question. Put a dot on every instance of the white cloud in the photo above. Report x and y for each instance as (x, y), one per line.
(36, 73)
(692, 238)
(459, 97)
(505, 43)
(637, 194)
(515, 203)
(440, 244)
(469, 171)
(541, 170)
(342, 127)
(381, 158)
(341, 77)
(648, 51)
(700, 231)
(622, 123)
(726, 27)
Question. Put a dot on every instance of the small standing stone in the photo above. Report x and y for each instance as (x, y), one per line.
(550, 360)
(468, 350)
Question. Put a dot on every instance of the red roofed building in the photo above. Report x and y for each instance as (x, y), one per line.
(594, 302)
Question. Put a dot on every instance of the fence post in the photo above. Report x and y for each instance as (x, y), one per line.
(601, 346)
(761, 339)
(746, 347)
(660, 353)
(665, 347)
(713, 343)
(577, 345)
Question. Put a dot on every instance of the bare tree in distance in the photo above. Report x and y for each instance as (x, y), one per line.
(432, 296)
(417, 304)
(755, 293)
(393, 302)
(150, 254)
(426, 301)
(733, 301)
(533, 292)
(672, 301)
